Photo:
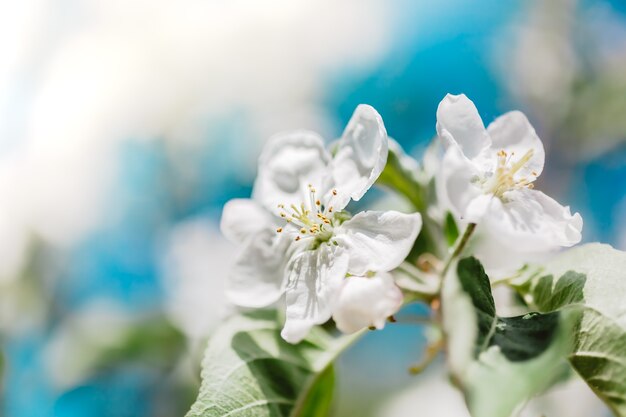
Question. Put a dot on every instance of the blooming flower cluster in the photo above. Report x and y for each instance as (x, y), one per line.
(298, 240)
(487, 177)
(298, 243)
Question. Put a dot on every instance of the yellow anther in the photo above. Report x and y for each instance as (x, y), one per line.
(504, 179)
(297, 238)
(330, 209)
(280, 229)
(334, 192)
(283, 215)
(303, 230)
(318, 203)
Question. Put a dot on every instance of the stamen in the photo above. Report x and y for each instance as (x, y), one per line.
(503, 180)
(522, 161)
(313, 220)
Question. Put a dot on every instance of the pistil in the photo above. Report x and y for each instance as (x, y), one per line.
(313, 221)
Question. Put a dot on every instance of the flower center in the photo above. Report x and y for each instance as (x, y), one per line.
(503, 178)
(315, 221)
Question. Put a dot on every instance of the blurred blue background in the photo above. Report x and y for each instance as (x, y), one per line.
(125, 127)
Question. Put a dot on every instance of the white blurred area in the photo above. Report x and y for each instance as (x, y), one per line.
(432, 395)
(195, 266)
(80, 77)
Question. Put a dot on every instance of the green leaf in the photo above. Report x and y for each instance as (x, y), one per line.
(518, 338)
(499, 362)
(317, 399)
(153, 341)
(250, 371)
(403, 175)
(400, 174)
(589, 280)
(450, 229)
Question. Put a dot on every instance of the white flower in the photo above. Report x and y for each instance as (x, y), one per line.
(486, 177)
(366, 301)
(296, 237)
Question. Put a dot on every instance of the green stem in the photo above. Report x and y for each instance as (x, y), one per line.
(430, 354)
(461, 243)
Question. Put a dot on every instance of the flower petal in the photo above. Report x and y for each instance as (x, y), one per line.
(378, 240)
(257, 276)
(454, 183)
(532, 221)
(460, 125)
(365, 302)
(314, 280)
(513, 133)
(289, 163)
(243, 217)
(501, 258)
(361, 155)
(478, 208)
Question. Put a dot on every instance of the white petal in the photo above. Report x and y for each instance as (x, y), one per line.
(454, 183)
(533, 221)
(459, 124)
(361, 155)
(257, 276)
(243, 217)
(365, 302)
(378, 240)
(501, 258)
(289, 163)
(314, 280)
(478, 208)
(513, 133)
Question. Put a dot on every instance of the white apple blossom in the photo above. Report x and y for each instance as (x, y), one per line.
(296, 237)
(366, 302)
(486, 177)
